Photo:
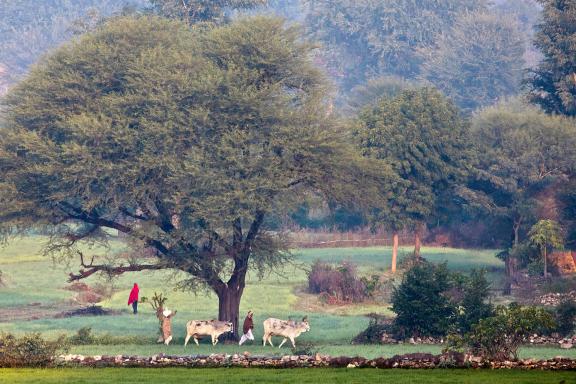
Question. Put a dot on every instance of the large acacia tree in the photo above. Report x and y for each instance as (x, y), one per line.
(182, 140)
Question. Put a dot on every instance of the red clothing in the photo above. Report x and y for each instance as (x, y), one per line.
(248, 324)
(133, 294)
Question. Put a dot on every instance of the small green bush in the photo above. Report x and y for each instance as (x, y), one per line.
(30, 350)
(421, 304)
(82, 337)
(307, 349)
(566, 317)
(499, 337)
(535, 268)
(377, 326)
(473, 306)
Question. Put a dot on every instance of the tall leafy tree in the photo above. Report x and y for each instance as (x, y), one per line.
(553, 85)
(422, 135)
(521, 152)
(546, 234)
(182, 139)
(478, 62)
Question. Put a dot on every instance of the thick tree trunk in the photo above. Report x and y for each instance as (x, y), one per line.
(229, 309)
(394, 252)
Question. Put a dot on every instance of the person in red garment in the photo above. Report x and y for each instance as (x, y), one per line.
(133, 298)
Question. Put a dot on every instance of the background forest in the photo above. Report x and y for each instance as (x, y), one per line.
(511, 162)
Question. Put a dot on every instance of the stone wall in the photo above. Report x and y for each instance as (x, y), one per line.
(409, 361)
(554, 340)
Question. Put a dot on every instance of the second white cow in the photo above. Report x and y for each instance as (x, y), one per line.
(212, 328)
(287, 329)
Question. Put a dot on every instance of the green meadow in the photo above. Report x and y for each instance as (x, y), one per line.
(35, 292)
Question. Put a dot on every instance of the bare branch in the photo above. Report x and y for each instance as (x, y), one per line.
(109, 269)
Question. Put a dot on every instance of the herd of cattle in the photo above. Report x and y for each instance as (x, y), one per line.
(287, 329)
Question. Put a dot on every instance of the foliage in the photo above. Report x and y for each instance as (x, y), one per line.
(156, 301)
(478, 62)
(500, 336)
(341, 282)
(30, 350)
(420, 303)
(377, 326)
(366, 39)
(553, 84)
(433, 302)
(421, 134)
(473, 306)
(308, 349)
(181, 139)
(566, 317)
(546, 234)
(195, 11)
(373, 91)
(535, 268)
(82, 337)
(521, 153)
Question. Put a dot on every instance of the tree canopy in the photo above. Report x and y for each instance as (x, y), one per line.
(195, 11)
(365, 38)
(553, 85)
(477, 63)
(422, 135)
(182, 139)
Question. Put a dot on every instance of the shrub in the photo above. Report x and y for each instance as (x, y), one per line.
(420, 302)
(82, 337)
(377, 326)
(473, 306)
(30, 350)
(307, 349)
(560, 285)
(499, 337)
(340, 282)
(565, 317)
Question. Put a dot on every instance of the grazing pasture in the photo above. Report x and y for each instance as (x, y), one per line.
(36, 294)
(227, 375)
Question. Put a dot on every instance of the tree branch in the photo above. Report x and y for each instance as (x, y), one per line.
(108, 269)
(82, 215)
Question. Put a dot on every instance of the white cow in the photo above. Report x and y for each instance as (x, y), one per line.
(212, 328)
(287, 329)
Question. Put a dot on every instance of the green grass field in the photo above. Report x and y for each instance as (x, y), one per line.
(232, 376)
(33, 282)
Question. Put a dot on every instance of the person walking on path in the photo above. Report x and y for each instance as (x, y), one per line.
(247, 329)
(133, 298)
